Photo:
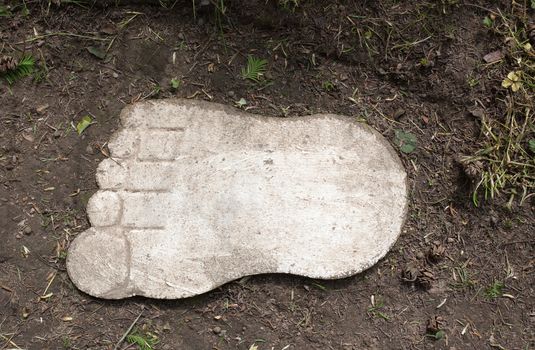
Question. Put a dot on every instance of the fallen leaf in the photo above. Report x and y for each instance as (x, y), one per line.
(41, 109)
(175, 83)
(493, 56)
(96, 52)
(425, 120)
(406, 141)
(488, 22)
(25, 251)
(109, 29)
(83, 124)
(28, 137)
(242, 102)
(477, 112)
(398, 113)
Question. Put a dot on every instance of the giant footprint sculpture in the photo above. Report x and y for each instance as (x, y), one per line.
(196, 194)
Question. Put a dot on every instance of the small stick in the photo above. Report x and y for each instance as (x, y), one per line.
(51, 278)
(9, 341)
(128, 331)
(38, 37)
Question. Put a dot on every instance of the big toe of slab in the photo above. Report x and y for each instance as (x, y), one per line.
(99, 262)
(197, 194)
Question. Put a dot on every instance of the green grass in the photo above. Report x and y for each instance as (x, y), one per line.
(146, 341)
(462, 277)
(289, 5)
(375, 310)
(24, 68)
(495, 290)
(5, 11)
(505, 160)
(255, 69)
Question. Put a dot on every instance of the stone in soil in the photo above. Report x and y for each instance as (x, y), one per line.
(196, 194)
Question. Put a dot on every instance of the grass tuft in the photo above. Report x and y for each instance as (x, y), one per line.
(255, 69)
(505, 161)
(495, 290)
(145, 341)
(24, 68)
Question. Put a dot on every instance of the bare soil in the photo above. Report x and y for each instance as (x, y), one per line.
(396, 65)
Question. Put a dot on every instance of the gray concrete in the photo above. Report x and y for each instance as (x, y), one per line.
(196, 194)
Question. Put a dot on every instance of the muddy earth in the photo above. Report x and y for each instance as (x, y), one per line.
(460, 276)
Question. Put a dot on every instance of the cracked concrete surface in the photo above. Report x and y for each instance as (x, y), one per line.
(197, 194)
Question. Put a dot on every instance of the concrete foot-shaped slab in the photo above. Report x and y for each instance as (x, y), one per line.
(196, 194)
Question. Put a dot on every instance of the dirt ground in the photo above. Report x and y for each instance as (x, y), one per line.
(459, 277)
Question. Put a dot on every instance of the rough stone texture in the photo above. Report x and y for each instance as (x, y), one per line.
(197, 194)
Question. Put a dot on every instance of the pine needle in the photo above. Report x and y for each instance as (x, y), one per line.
(255, 69)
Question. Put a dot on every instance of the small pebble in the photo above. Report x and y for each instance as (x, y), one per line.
(57, 134)
(89, 149)
(420, 255)
(27, 230)
(231, 93)
(115, 75)
(216, 330)
(398, 113)
(451, 240)
(41, 109)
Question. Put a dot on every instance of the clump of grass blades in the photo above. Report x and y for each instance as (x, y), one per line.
(255, 69)
(506, 159)
(508, 163)
(144, 342)
(23, 68)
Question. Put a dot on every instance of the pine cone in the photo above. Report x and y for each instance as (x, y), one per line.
(433, 324)
(473, 170)
(411, 272)
(7, 63)
(436, 252)
(425, 279)
(418, 275)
